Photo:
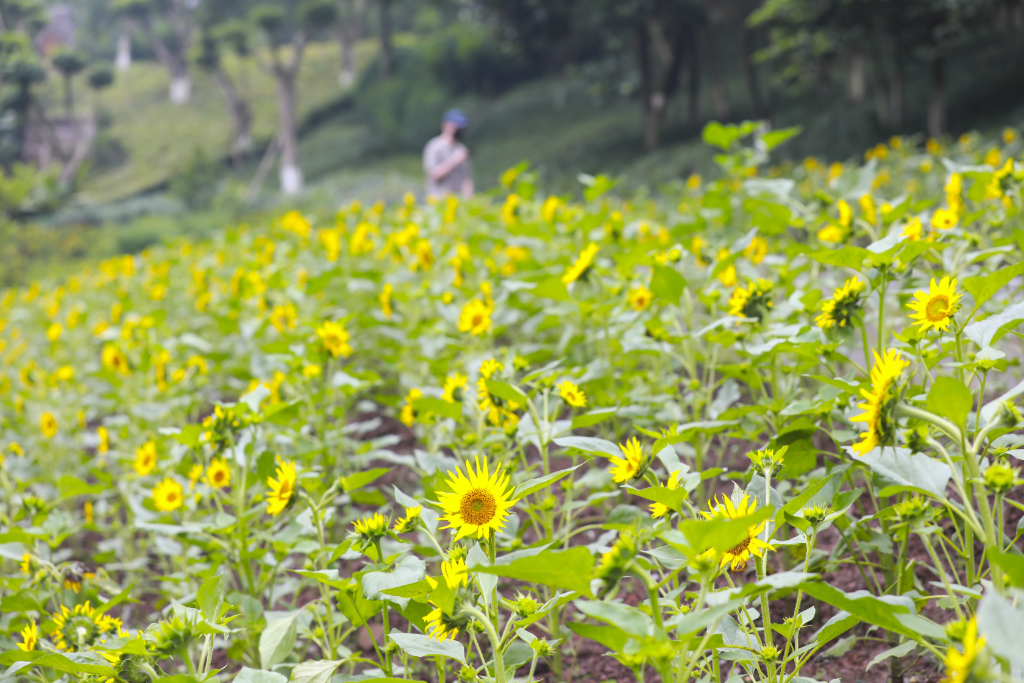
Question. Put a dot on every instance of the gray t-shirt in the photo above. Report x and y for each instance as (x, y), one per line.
(435, 153)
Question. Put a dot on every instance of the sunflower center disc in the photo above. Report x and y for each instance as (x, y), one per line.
(739, 549)
(478, 507)
(936, 309)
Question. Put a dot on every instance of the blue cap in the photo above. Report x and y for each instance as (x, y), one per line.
(457, 117)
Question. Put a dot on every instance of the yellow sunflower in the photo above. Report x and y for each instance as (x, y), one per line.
(660, 509)
(582, 265)
(77, 629)
(114, 360)
(935, 310)
(629, 465)
(282, 489)
(479, 503)
(572, 395)
(372, 526)
(104, 444)
(639, 298)
(168, 495)
(385, 299)
(475, 317)
(831, 233)
(453, 387)
(195, 473)
(408, 414)
(335, 339)
(48, 425)
(145, 459)
(410, 522)
(944, 219)
(756, 250)
(739, 554)
(439, 626)
(29, 637)
(959, 664)
(886, 370)
(753, 301)
(218, 474)
(844, 304)
(455, 573)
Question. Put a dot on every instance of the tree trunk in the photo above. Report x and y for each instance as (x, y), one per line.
(896, 88)
(349, 27)
(878, 87)
(856, 82)
(241, 116)
(287, 133)
(718, 98)
(124, 52)
(693, 73)
(750, 75)
(384, 26)
(937, 96)
(181, 83)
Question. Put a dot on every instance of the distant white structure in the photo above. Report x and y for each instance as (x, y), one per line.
(124, 51)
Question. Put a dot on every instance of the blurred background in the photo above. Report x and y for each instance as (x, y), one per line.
(124, 123)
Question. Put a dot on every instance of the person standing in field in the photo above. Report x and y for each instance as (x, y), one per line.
(446, 159)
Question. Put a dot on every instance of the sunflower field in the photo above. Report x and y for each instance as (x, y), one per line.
(758, 428)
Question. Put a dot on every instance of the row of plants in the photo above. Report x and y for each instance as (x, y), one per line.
(730, 430)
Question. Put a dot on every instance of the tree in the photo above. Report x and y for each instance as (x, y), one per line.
(387, 53)
(351, 14)
(23, 71)
(276, 24)
(232, 35)
(176, 17)
(69, 63)
(99, 79)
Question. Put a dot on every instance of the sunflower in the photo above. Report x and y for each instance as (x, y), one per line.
(371, 527)
(660, 509)
(48, 425)
(479, 502)
(886, 370)
(944, 219)
(335, 339)
(385, 299)
(751, 545)
(440, 626)
(77, 629)
(475, 317)
(168, 495)
(145, 459)
(282, 489)
(29, 637)
(455, 573)
(913, 230)
(104, 444)
(728, 275)
(453, 387)
(424, 256)
(639, 298)
(114, 360)
(218, 474)
(844, 304)
(572, 394)
(935, 309)
(756, 250)
(283, 317)
(26, 564)
(752, 301)
(410, 522)
(408, 414)
(579, 269)
(629, 465)
(959, 664)
(831, 233)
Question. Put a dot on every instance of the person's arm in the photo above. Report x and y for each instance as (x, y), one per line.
(442, 169)
(467, 188)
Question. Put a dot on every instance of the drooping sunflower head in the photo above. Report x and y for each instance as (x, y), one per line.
(935, 309)
(880, 402)
(572, 394)
(630, 465)
(843, 306)
(478, 502)
(282, 489)
(442, 627)
(752, 301)
(455, 573)
(738, 555)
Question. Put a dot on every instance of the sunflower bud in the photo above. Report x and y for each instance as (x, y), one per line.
(524, 605)
(816, 514)
(768, 460)
(769, 653)
(467, 674)
(1000, 478)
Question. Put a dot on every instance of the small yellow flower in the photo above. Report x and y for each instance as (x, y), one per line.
(959, 664)
(218, 474)
(756, 250)
(65, 373)
(114, 360)
(311, 371)
(54, 331)
(660, 509)
(408, 416)
(629, 465)
(372, 527)
(410, 522)
(455, 573)
(385, 299)
(944, 219)
(17, 449)
(26, 564)
(475, 318)
(831, 233)
(29, 637)
(935, 309)
(572, 395)
(168, 495)
(88, 512)
(145, 459)
(335, 339)
(913, 230)
(582, 265)
(454, 385)
(195, 473)
(639, 298)
(282, 489)
(48, 425)
(283, 317)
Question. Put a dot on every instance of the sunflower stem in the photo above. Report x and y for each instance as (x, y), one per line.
(499, 664)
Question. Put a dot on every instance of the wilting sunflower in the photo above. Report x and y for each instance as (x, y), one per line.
(843, 306)
(29, 637)
(582, 265)
(660, 509)
(282, 489)
(453, 386)
(739, 554)
(959, 664)
(475, 317)
(629, 465)
(48, 425)
(754, 301)
(935, 310)
(218, 474)
(572, 395)
(335, 339)
(168, 495)
(480, 502)
(145, 459)
(887, 369)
